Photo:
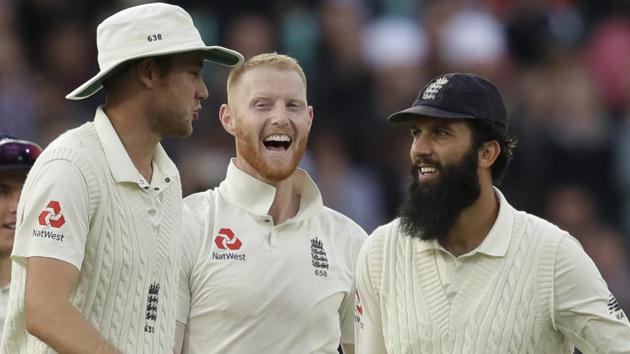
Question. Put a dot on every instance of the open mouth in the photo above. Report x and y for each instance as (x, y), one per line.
(277, 142)
(10, 226)
(427, 170)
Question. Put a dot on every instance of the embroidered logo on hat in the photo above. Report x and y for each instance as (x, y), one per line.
(434, 88)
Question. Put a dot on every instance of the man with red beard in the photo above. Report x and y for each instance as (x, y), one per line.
(266, 267)
(462, 271)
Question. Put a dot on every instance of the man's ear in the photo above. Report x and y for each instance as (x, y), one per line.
(147, 73)
(310, 117)
(227, 119)
(488, 153)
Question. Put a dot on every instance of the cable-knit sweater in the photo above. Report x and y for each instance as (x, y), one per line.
(503, 307)
(126, 256)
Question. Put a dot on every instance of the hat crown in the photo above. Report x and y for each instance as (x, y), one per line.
(458, 96)
(146, 31)
(465, 94)
(142, 30)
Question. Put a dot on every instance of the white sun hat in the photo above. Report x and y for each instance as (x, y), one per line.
(144, 31)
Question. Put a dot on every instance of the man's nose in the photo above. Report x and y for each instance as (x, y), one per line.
(421, 146)
(202, 93)
(280, 115)
(13, 202)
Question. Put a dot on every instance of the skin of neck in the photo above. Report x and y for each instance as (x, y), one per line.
(286, 202)
(129, 122)
(5, 269)
(474, 223)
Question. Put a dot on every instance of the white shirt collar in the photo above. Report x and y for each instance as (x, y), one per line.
(123, 170)
(256, 197)
(498, 238)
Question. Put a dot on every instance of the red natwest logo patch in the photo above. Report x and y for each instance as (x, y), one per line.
(51, 216)
(358, 307)
(227, 240)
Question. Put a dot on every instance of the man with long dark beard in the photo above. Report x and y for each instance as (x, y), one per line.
(460, 270)
(265, 267)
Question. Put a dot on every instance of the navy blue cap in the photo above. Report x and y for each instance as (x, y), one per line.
(458, 96)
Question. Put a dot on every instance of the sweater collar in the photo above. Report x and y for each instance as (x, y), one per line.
(120, 164)
(496, 241)
(256, 197)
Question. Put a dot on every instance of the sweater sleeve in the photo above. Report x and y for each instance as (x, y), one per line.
(194, 225)
(53, 215)
(584, 309)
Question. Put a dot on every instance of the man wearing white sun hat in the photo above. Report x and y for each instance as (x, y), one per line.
(95, 256)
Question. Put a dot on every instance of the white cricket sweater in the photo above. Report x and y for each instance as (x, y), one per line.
(505, 306)
(125, 256)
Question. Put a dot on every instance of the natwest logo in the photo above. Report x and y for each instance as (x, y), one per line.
(358, 306)
(358, 309)
(51, 216)
(227, 240)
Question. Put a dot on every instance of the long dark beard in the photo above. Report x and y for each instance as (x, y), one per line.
(430, 210)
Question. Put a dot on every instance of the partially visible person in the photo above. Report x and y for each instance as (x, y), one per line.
(460, 270)
(16, 159)
(266, 267)
(95, 255)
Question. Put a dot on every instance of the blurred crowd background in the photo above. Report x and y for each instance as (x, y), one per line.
(563, 67)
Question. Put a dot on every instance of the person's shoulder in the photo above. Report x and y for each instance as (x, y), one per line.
(197, 215)
(67, 148)
(80, 137)
(537, 228)
(199, 202)
(340, 220)
(382, 232)
(391, 227)
(534, 222)
(375, 244)
(77, 145)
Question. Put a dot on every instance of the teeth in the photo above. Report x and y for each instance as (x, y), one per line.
(278, 138)
(10, 226)
(428, 169)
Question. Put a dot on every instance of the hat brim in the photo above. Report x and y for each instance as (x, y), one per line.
(425, 111)
(216, 54)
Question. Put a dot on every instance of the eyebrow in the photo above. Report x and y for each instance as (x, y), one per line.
(444, 124)
(440, 123)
